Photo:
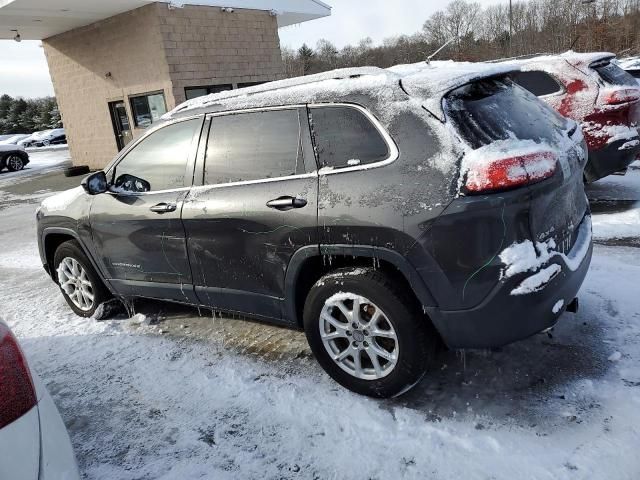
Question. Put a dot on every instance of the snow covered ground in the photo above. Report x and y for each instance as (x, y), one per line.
(219, 398)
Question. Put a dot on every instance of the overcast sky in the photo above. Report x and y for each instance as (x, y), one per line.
(24, 72)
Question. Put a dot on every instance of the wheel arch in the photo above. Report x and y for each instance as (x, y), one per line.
(310, 263)
(53, 237)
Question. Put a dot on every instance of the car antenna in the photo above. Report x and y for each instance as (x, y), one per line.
(428, 61)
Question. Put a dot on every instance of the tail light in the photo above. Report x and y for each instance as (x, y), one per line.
(511, 172)
(620, 96)
(17, 394)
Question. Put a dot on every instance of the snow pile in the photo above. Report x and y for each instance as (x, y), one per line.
(525, 257)
(617, 225)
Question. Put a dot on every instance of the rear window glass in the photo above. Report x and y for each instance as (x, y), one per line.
(614, 75)
(345, 137)
(538, 83)
(499, 109)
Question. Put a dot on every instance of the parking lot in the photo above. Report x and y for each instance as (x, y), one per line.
(173, 392)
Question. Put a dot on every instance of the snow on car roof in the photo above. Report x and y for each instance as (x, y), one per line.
(429, 81)
(574, 58)
(629, 63)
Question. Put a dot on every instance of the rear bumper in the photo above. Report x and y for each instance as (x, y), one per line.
(610, 159)
(503, 317)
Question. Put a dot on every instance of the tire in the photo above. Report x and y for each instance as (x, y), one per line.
(72, 254)
(76, 171)
(46, 143)
(14, 162)
(406, 357)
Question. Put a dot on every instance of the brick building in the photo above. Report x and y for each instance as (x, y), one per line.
(117, 66)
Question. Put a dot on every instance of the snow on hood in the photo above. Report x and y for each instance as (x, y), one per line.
(10, 148)
(61, 201)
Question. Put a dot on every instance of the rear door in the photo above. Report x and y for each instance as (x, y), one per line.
(136, 227)
(255, 208)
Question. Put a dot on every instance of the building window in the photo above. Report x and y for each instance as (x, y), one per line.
(249, 84)
(148, 109)
(195, 92)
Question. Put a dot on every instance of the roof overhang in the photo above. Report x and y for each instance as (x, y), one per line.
(40, 19)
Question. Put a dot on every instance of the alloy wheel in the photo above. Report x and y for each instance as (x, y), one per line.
(74, 281)
(358, 336)
(15, 163)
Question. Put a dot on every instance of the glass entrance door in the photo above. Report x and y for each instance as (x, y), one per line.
(121, 124)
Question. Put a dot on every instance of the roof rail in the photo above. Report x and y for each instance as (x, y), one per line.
(519, 57)
(339, 74)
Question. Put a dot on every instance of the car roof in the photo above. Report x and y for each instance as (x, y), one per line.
(574, 58)
(369, 86)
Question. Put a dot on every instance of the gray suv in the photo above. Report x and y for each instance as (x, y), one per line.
(382, 211)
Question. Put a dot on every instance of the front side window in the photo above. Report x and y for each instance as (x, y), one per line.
(254, 146)
(345, 137)
(537, 82)
(148, 109)
(158, 162)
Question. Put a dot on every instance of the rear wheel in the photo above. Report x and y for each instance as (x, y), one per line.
(79, 282)
(366, 334)
(14, 162)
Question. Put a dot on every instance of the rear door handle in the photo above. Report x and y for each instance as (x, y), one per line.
(287, 203)
(164, 208)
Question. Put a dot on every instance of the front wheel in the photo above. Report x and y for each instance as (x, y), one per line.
(14, 163)
(367, 334)
(79, 282)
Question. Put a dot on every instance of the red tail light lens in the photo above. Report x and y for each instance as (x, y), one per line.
(512, 172)
(620, 96)
(17, 394)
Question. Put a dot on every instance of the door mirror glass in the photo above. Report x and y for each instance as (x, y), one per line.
(130, 184)
(96, 183)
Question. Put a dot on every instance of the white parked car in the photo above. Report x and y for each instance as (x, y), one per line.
(34, 444)
(13, 139)
(45, 138)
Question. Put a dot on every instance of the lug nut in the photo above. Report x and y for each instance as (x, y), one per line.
(366, 333)
(354, 325)
(348, 333)
(354, 344)
(366, 344)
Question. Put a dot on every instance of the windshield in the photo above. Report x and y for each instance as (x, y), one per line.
(613, 74)
(498, 109)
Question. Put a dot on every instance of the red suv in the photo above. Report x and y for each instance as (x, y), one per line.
(592, 90)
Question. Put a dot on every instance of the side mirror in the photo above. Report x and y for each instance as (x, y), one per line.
(96, 183)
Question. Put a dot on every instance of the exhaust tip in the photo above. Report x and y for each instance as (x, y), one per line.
(573, 306)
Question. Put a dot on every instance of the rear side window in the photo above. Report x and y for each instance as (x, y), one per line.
(537, 82)
(613, 74)
(498, 109)
(345, 137)
(254, 146)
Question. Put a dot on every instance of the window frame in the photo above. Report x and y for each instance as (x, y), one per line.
(146, 95)
(111, 169)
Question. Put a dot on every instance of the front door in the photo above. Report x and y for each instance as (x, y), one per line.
(137, 231)
(121, 124)
(257, 207)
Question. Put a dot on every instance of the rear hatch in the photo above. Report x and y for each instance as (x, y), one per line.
(516, 141)
(616, 116)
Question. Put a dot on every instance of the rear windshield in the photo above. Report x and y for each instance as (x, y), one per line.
(498, 109)
(613, 74)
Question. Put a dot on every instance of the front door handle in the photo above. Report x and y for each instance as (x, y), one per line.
(287, 203)
(164, 208)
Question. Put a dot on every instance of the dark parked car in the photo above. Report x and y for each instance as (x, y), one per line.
(382, 212)
(592, 90)
(13, 158)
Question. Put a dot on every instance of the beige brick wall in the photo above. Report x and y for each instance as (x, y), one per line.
(205, 46)
(153, 49)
